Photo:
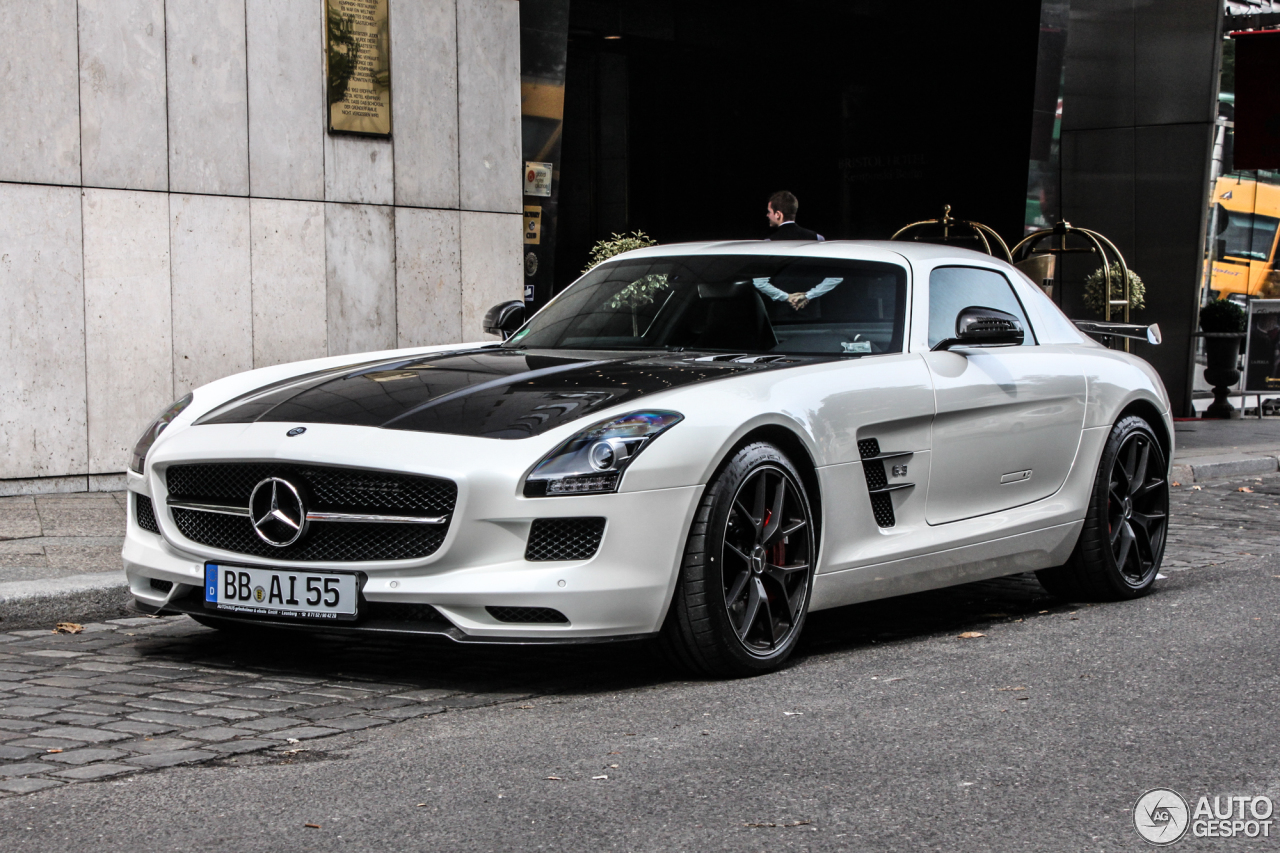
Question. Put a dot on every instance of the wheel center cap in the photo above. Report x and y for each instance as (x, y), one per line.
(1128, 508)
(757, 559)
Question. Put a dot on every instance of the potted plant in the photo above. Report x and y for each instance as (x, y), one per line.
(616, 244)
(1095, 289)
(638, 293)
(1223, 325)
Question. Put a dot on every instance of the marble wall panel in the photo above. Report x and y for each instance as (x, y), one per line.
(492, 267)
(123, 124)
(424, 66)
(208, 102)
(289, 307)
(42, 383)
(489, 164)
(212, 311)
(128, 320)
(360, 263)
(285, 41)
(358, 169)
(39, 92)
(428, 277)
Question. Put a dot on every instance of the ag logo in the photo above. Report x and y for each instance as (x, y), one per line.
(1161, 816)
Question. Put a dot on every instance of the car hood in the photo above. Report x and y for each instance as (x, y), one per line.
(488, 393)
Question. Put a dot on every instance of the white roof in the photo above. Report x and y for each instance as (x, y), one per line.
(870, 250)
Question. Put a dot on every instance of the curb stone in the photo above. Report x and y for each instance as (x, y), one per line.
(1198, 469)
(79, 598)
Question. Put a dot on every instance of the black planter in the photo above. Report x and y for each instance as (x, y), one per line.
(1222, 351)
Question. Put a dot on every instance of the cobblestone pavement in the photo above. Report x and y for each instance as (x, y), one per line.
(138, 694)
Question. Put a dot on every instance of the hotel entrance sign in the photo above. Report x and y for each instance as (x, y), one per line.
(358, 66)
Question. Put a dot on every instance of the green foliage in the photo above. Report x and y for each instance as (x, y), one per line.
(639, 292)
(616, 245)
(1223, 316)
(1095, 287)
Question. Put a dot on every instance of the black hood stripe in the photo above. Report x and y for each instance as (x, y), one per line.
(490, 393)
(527, 376)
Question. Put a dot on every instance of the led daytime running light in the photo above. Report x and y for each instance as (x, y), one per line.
(593, 460)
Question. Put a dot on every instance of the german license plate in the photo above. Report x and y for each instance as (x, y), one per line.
(285, 593)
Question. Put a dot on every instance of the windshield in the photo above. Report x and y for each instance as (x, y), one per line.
(750, 304)
(1246, 235)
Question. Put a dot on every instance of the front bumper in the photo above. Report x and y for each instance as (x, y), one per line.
(621, 591)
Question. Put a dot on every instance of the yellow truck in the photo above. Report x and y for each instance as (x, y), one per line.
(1243, 219)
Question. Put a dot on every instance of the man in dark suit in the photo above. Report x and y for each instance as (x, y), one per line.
(782, 219)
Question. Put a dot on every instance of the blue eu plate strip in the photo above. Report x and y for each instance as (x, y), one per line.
(210, 582)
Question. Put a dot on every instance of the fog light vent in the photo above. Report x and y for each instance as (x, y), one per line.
(144, 513)
(564, 538)
(528, 615)
(161, 586)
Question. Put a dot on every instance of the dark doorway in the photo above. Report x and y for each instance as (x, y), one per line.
(681, 119)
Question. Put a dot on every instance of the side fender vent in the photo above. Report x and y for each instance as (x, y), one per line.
(877, 482)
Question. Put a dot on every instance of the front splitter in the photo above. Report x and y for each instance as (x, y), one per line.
(381, 627)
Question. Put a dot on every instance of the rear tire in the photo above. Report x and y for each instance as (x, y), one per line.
(1122, 543)
(743, 592)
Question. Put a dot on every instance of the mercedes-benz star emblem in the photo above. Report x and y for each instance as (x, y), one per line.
(277, 512)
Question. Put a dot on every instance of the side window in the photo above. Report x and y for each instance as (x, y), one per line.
(953, 289)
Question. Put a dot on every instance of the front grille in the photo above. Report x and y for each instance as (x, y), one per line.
(338, 541)
(564, 538)
(325, 490)
(144, 513)
(528, 615)
(329, 489)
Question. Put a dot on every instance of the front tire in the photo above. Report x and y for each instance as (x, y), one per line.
(743, 592)
(1122, 543)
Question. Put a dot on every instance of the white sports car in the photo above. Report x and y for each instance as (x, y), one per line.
(700, 443)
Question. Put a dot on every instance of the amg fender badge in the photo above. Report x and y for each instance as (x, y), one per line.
(296, 431)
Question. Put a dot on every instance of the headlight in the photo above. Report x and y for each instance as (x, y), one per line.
(593, 460)
(153, 432)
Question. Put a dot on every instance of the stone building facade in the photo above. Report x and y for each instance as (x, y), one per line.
(172, 209)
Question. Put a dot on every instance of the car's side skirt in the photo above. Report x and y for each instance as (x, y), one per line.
(1009, 555)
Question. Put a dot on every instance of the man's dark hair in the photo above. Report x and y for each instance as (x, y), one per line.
(785, 203)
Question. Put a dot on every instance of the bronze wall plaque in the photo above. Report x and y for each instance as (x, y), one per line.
(358, 65)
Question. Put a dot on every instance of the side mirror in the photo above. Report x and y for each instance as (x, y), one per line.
(504, 318)
(984, 327)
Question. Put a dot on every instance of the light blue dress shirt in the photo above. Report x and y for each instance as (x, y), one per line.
(824, 286)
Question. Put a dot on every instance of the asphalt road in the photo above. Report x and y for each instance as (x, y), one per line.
(888, 733)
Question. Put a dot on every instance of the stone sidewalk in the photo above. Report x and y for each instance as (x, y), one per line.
(60, 554)
(1210, 449)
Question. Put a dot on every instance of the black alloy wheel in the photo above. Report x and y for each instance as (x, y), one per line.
(765, 572)
(743, 593)
(1137, 509)
(1122, 542)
